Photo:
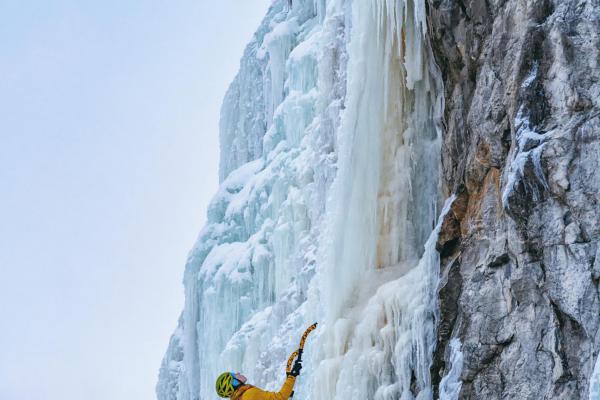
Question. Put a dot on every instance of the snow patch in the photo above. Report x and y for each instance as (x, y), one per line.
(527, 155)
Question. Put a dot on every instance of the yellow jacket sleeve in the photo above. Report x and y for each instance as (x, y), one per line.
(283, 394)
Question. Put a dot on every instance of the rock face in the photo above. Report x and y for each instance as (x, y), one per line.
(520, 254)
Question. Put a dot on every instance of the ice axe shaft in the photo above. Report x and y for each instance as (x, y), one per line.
(298, 353)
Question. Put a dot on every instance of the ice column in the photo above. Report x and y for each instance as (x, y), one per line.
(379, 268)
(451, 383)
(595, 382)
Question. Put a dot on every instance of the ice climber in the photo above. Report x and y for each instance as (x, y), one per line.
(233, 385)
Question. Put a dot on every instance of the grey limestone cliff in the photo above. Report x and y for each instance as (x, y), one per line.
(520, 253)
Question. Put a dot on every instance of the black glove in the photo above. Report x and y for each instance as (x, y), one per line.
(295, 369)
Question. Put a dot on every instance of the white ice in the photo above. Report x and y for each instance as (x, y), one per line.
(595, 382)
(451, 383)
(329, 197)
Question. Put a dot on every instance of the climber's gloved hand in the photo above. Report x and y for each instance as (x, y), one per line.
(295, 369)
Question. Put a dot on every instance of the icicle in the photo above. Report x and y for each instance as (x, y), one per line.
(451, 383)
(377, 336)
(595, 382)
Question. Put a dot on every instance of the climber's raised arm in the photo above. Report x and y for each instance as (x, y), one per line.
(234, 386)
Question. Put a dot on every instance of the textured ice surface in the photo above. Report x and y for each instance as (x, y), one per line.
(595, 382)
(326, 211)
(451, 384)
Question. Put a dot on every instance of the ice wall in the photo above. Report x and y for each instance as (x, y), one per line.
(377, 338)
(326, 211)
(248, 273)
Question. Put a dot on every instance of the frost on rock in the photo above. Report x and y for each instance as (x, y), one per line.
(527, 157)
(330, 148)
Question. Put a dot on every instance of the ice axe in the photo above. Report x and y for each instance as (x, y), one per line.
(298, 353)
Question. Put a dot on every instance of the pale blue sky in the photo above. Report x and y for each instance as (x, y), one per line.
(108, 159)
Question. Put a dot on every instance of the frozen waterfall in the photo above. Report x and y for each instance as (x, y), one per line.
(327, 210)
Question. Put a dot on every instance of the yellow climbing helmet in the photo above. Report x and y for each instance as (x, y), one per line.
(224, 385)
